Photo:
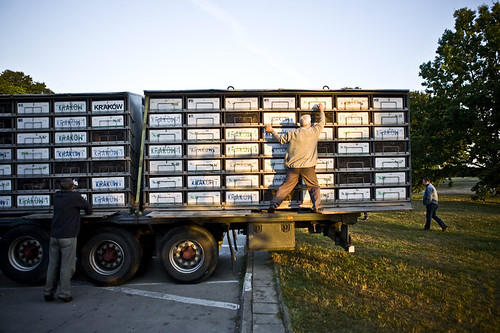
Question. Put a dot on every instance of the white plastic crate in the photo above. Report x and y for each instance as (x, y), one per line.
(275, 149)
(354, 133)
(352, 118)
(158, 183)
(165, 135)
(203, 119)
(108, 152)
(69, 153)
(280, 118)
(5, 185)
(326, 134)
(242, 149)
(33, 154)
(29, 108)
(386, 178)
(389, 133)
(203, 198)
(307, 103)
(353, 148)
(108, 183)
(165, 120)
(208, 181)
(388, 118)
(108, 199)
(390, 193)
(274, 164)
(242, 165)
(165, 151)
(354, 194)
(165, 104)
(325, 179)
(33, 200)
(270, 137)
(70, 122)
(352, 103)
(32, 138)
(279, 103)
(37, 169)
(33, 123)
(5, 170)
(108, 121)
(242, 103)
(390, 162)
(117, 106)
(204, 165)
(387, 102)
(203, 134)
(70, 107)
(156, 167)
(210, 103)
(327, 196)
(5, 154)
(5, 201)
(165, 198)
(325, 164)
(274, 179)
(70, 137)
(205, 150)
(242, 198)
(242, 181)
(242, 134)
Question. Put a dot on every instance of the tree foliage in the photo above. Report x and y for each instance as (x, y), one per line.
(456, 123)
(18, 83)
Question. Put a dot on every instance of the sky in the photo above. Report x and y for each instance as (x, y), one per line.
(123, 45)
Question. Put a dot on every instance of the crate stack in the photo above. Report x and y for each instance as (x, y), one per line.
(208, 148)
(93, 139)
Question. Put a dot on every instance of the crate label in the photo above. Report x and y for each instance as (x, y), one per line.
(108, 106)
(387, 102)
(108, 152)
(242, 181)
(211, 103)
(275, 149)
(170, 198)
(352, 103)
(108, 199)
(274, 165)
(242, 197)
(390, 193)
(203, 181)
(203, 134)
(63, 107)
(5, 154)
(326, 134)
(33, 169)
(70, 153)
(70, 137)
(108, 183)
(280, 118)
(389, 133)
(274, 180)
(388, 118)
(204, 165)
(165, 166)
(33, 123)
(70, 122)
(32, 138)
(243, 103)
(203, 119)
(354, 148)
(33, 153)
(203, 150)
(243, 165)
(270, 137)
(324, 164)
(5, 201)
(390, 162)
(243, 149)
(33, 200)
(108, 121)
(242, 134)
(354, 194)
(5, 170)
(352, 118)
(165, 104)
(165, 151)
(165, 135)
(165, 120)
(165, 182)
(279, 103)
(307, 103)
(390, 178)
(42, 107)
(5, 185)
(203, 198)
(327, 196)
(349, 133)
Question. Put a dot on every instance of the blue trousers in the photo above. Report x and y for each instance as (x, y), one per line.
(431, 215)
(62, 265)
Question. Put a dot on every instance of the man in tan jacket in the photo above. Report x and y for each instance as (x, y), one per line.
(300, 159)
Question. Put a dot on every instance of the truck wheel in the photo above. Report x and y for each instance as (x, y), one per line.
(24, 253)
(189, 253)
(111, 256)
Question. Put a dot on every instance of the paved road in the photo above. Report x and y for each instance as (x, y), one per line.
(150, 302)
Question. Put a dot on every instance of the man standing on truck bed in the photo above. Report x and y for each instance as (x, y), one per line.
(64, 230)
(300, 159)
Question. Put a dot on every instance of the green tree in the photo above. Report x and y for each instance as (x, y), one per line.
(462, 104)
(18, 83)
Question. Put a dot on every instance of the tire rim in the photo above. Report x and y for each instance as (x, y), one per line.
(106, 257)
(25, 253)
(186, 256)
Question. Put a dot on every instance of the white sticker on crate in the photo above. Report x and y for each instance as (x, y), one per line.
(242, 149)
(157, 183)
(70, 122)
(280, 118)
(35, 200)
(353, 148)
(32, 138)
(387, 103)
(390, 193)
(165, 120)
(388, 118)
(70, 153)
(242, 165)
(270, 137)
(33, 123)
(165, 135)
(204, 165)
(70, 137)
(108, 106)
(274, 164)
(67, 107)
(352, 118)
(354, 194)
(274, 180)
(156, 167)
(5, 154)
(203, 134)
(41, 169)
(243, 103)
(352, 103)
(33, 153)
(203, 181)
(165, 104)
(242, 181)
(165, 198)
(108, 199)
(242, 197)
(5, 201)
(203, 198)
(275, 149)
(326, 134)
(210, 103)
(307, 103)
(324, 164)
(242, 134)
(203, 119)
(5, 185)
(327, 196)
(279, 103)
(390, 162)
(389, 133)
(170, 151)
(28, 108)
(108, 152)
(203, 150)
(385, 178)
(108, 121)
(5, 170)
(108, 183)
(354, 133)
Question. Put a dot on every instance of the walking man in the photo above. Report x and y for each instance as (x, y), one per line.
(64, 231)
(431, 203)
(300, 159)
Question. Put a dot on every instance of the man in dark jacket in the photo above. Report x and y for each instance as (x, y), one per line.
(64, 231)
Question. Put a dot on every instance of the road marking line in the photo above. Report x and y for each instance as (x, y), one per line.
(175, 298)
(229, 281)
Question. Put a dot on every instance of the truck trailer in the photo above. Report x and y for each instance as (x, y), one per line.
(171, 173)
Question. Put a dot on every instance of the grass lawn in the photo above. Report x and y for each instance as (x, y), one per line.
(400, 278)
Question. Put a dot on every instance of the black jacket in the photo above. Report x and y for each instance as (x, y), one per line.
(66, 221)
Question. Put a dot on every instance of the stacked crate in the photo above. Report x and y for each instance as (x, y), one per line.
(93, 139)
(209, 148)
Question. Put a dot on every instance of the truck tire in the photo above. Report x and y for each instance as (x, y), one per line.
(189, 253)
(24, 253)
(111, 256)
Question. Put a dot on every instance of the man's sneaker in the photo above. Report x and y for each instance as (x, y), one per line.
(66, 299)
(271, 209)
(318, 210)
(444, 228)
